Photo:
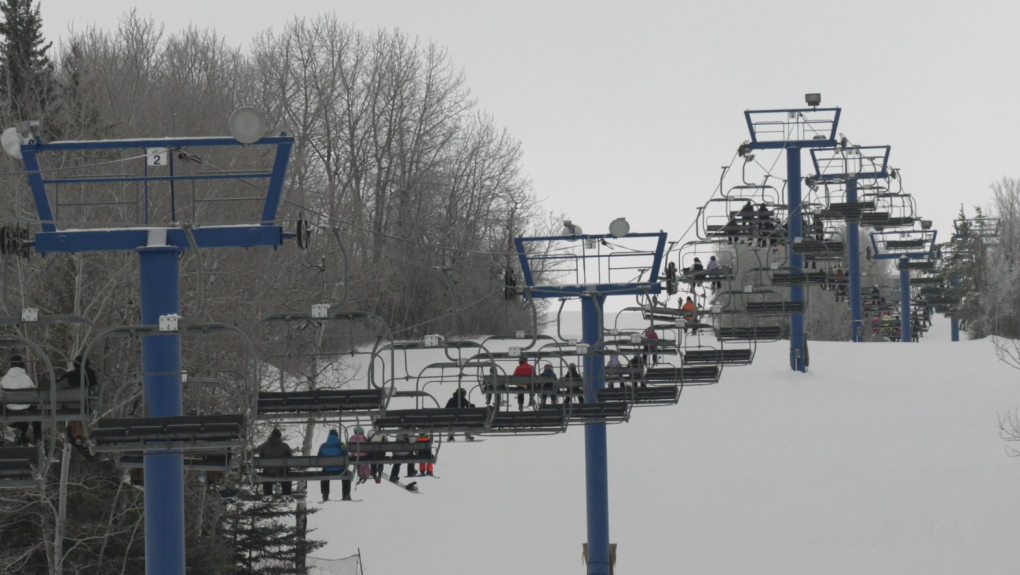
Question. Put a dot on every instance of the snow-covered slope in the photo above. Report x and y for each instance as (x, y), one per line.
(885, 458)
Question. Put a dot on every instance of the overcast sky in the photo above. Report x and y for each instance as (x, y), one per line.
(630, 108)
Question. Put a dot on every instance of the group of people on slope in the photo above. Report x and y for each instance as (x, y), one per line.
(18, 378)
(368, 466)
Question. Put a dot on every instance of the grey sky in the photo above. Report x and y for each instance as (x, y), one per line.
(630, 108)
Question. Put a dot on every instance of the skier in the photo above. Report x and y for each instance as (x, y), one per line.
(688, 313)
(425, 468)
(649, 348)
(576, 381)
(72, 380)
(333, 447)
(459, 400)
(747, 219)
(275, 447)
(377, 468)
(17, 378)
(364, 469)
(713, 273)
(524, 369)
(765, 225)
(696, 272)
(549, 388)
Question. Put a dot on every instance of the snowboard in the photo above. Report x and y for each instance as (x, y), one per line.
(411, 487)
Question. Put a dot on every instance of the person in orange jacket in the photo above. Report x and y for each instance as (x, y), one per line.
(687, 311)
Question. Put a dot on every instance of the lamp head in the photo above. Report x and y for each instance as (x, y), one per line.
(813, 100)
(247, 125)
(619, 228)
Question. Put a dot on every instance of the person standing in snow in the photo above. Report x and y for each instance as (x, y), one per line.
(17, 378)
(333, 447)
(275, 448)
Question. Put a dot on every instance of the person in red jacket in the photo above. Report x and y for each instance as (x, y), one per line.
(526, 369)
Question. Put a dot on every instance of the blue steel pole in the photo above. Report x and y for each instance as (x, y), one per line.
(161, 361)
(854, 254)
(596, 465)
(904, 300)
(955, 329)
(798, 353)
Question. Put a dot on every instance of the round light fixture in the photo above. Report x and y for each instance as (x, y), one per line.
(11, 141)
(247, 125)
(619, 228)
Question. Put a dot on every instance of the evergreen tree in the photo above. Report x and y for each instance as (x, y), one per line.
(25, 67)
(265, 539)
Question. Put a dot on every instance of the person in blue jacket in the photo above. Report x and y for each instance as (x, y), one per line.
(333, 447)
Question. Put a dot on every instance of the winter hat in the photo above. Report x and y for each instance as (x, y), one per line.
(359, 429)
(697, 260)
(333, 433)
(276, 434)
(523, 360)
(573, 366)
(17, 361)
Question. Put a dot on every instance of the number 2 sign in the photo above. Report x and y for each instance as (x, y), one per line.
(157, 156)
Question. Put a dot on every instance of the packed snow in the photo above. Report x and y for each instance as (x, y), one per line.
(884, 458)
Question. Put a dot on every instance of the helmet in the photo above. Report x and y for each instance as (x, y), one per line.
(359, 429)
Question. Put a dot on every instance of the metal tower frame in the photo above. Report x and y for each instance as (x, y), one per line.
(793, 130)
(159, 248)
(592, 297)
(850, 170)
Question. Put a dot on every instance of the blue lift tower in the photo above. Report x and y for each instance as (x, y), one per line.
(848, 165)
(593, 275)
(159, 247)
(793, 130)
(914, 250)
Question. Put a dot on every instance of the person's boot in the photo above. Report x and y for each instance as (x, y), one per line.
(347, 498)
(412, 473)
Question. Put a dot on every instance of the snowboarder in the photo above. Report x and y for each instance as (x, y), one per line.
(688, 313)
(377, 468)
(333, 447)
(275, 447)
(17, 378)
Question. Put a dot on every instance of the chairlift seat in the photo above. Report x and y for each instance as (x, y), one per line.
(604, 411)
(682, 375)
(762, 332)
(277, 405)
(718, 357)
(181, 432)
(775, 307)
(812, 247)
(546, 418)
(18, 467)
(68, 404)
(916, 265)
(655, 395)
(435, 420)
(300, 468)
(192, 461)
(799, 278)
